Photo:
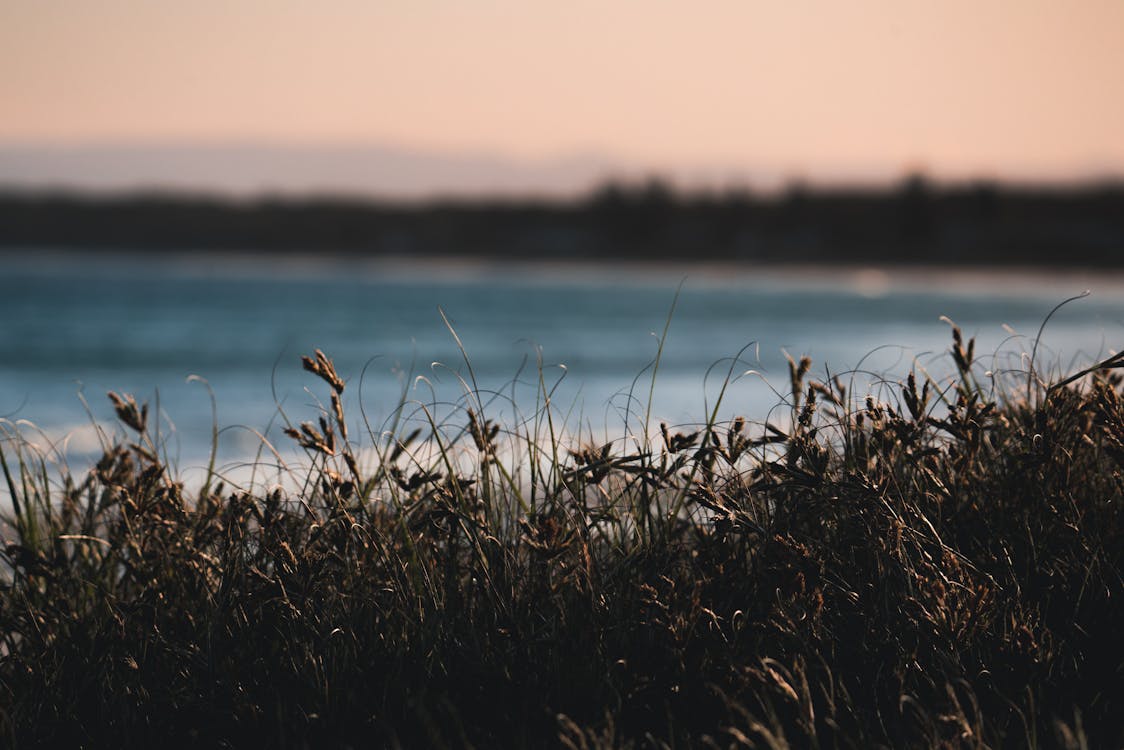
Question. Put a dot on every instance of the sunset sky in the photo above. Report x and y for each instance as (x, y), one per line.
(802, 87)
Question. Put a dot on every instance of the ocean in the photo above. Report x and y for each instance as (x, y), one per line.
(174, 329)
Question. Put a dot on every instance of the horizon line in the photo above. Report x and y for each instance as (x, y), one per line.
(317, 167)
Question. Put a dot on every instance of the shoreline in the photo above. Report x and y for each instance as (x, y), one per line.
(867, 279)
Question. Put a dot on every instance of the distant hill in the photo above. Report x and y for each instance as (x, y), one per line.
(253, 169)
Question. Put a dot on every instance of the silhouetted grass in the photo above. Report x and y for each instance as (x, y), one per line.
(939, 566)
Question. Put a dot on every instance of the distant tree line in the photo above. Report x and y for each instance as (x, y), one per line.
(913, 222)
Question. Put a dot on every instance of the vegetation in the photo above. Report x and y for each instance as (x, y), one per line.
(915, 222)
(938, 564)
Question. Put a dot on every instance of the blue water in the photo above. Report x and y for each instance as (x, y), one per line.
(83, 324)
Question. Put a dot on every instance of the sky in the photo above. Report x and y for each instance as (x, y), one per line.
(805, 88)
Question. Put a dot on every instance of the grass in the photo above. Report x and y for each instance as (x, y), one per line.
(936, 565)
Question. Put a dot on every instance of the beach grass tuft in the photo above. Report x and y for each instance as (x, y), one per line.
(935, 564)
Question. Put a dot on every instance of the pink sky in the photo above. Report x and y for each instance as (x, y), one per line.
(1014, 88)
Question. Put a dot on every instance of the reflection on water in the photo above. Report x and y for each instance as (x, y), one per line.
(79, 325)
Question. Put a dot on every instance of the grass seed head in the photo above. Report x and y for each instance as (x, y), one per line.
(325, 369)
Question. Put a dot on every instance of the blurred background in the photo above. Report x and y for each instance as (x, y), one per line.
(214, 188)
(430, 97)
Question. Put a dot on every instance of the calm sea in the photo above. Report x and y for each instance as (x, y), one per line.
(77, 325)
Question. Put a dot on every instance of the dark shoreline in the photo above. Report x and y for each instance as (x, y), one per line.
(914, 224)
